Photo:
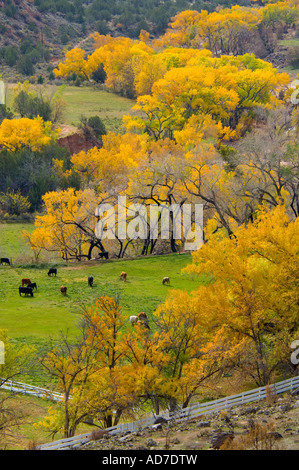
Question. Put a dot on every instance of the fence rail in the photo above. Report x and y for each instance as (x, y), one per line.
(20, 387)
(289, 385)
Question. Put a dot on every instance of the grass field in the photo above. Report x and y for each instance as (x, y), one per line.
(91, 101)
(85, 101)
(49, 312)
(289, 42)
(291, 71)
(34, 320)
(12, 244)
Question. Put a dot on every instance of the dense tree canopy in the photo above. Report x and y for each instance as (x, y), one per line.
(215, 125)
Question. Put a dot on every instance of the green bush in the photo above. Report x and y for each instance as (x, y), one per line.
(10, 10)
(97, 126)
(293, 56)
(25, 65)
(10, 55)
(30, 106)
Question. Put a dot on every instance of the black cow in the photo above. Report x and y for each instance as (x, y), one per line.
(52, 271)
(104, 254)
(32, 285)
(26, 291)
(4, 261)
(90, 281)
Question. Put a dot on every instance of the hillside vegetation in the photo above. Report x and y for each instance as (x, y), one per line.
(35, 32)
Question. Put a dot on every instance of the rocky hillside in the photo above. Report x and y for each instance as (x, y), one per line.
(24, 21)
(35, 34)
(266, 425)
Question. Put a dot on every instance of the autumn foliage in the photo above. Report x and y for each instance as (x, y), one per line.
(242, 319)
(24, 132)
(211, 124)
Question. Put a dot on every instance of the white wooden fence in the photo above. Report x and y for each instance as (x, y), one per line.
(20, 387)
(289, 385)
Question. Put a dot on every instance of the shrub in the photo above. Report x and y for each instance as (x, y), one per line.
(13, 203)
(293, 56)
(10, 10)
(261, 436)
(10, 55)
(25, 65)
(97, 126)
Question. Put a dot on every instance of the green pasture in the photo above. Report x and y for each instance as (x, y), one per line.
(12, 243)
(289, 42)
(36, 320)
(49, 312)
(84, 101)
(92, 101)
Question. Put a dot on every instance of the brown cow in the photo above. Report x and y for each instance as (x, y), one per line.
(165, 280)
(123, 276)
(142, 316)
(25, 282)
(63, 290)
(142, 319)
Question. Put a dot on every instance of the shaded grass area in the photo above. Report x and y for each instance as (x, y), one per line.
(292, 71)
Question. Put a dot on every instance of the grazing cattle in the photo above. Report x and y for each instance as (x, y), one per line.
(123, 276)
(32, 285)
(142, 319)
(90, 281)
(26, 291)
(165, 280)
(133, 319)
(25, 282)
(63, 290)
(103, 254)
(52, 271)
(4, 261)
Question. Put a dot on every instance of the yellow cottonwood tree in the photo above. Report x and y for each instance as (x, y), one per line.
(196, 355)
(253, 297)
(68, 225)
(74, 63)
(85, 370)
(25, 132)
(223, 88)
